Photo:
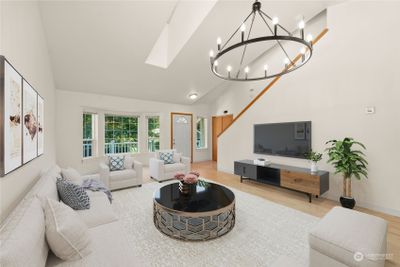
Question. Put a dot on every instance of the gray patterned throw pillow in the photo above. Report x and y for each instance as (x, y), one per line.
(167, 157)
(116, 163)
(73, 195)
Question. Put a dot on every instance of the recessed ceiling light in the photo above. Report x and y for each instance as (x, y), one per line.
(193, 96)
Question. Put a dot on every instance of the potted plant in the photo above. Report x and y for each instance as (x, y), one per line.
(314, 157)
(349, 162)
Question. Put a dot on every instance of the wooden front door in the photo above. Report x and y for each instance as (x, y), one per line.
(219, 124)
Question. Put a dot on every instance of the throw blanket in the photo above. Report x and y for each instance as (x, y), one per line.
(96, 185)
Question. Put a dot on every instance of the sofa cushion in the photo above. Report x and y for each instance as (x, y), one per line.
(72, 175)
(167, 157)
(177, 157)
(344, 232)
(100, 211)
(116, 163)
(175, 167)
(122, 175)
(66, 234)
(22, 236)
(73, 195)
(110, 248)
(128, 162)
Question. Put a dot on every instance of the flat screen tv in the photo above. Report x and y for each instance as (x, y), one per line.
(288, 139)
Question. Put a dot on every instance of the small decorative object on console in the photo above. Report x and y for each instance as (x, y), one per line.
(262, 162)
(314, 157)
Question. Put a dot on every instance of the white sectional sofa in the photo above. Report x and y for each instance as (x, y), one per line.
(22, 234)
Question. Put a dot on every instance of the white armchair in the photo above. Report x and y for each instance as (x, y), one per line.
(131, 175)
(161, 172)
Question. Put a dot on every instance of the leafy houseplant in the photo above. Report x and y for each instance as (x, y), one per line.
(314, 157)
(349, 162)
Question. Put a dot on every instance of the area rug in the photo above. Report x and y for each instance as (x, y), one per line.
(264, 231)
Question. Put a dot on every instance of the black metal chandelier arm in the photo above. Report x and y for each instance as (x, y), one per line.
(245, 46)
(279, 25)
(279, 43)
(230, 38)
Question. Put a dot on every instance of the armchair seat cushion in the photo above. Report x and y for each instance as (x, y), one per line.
(122, 175)
(175, 167)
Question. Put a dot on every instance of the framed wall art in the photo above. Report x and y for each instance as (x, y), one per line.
(21, 120)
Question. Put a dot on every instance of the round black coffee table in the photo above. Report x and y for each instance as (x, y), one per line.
(207, 212)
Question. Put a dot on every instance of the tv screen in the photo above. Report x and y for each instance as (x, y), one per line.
(289, 139)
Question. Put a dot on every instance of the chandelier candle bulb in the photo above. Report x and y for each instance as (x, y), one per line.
(219, 41)
(286, 61)
(216, 65)
(265, 70)
(303, 54)
(275, 22)
(246, 71)
(229, 69)
(301, 27)
(243, 29)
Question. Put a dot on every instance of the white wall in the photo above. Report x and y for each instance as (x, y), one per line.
(354, 66)
(70, 106)
(22, 42)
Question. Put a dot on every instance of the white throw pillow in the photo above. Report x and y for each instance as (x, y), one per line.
(67, 236)
(72, 175)
(128, 163)
(177, 157)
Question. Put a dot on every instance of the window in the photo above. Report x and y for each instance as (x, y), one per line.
(153, 133)
(201, 133)
(121, 134)
(89, 134)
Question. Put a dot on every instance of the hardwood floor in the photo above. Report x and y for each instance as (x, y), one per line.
(319, 207)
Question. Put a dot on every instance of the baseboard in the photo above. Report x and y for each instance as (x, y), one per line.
(367, 205)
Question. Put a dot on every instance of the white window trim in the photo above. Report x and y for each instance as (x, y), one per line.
(205, 133)
(146, 117)
(94, 138)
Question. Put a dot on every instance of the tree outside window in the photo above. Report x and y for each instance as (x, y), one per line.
(121, 134)
(153, 133)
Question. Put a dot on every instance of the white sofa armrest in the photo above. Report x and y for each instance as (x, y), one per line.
(104, 172)
(156, 168)
(186, 162)
(138, 167)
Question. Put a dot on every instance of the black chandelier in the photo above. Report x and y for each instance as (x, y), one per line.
(278, 34)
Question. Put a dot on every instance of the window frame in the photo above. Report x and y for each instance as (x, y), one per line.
(122, 115)
(205, 146)
(147, 117)
(94, 137)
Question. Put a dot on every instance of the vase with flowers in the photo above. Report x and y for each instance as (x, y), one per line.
(188, 182)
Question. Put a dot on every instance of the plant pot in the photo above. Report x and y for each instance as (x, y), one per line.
(347, 202)
(314, 167)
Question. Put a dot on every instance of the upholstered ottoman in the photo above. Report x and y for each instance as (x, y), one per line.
(346, 237)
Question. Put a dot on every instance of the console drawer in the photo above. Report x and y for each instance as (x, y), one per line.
(246, 170)
(300, 181)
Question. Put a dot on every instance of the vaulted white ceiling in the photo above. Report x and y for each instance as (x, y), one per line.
(102, 46)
